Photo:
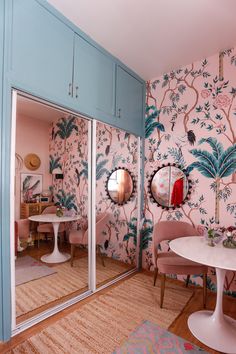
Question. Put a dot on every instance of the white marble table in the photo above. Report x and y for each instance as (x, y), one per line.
(214, 329)
(56, 256)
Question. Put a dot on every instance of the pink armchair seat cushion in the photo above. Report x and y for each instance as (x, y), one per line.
(171, 263)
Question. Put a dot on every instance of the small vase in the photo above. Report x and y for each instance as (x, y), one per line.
(211, 242)
(59, 213)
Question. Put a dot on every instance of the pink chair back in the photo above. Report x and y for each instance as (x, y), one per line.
(169, 230)
(101, 221)
(50, 210)
(23, 228)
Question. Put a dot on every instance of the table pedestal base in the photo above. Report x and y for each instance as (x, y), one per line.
(55, 257)
(216, 333)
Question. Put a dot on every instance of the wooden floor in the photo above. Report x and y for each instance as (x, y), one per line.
(178, 327)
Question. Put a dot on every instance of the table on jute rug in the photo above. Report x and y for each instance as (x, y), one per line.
(102, 324)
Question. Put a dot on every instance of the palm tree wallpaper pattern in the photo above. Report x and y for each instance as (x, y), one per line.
(197, 113)
(69, 151)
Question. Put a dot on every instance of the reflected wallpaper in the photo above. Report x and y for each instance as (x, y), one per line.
(115, 148)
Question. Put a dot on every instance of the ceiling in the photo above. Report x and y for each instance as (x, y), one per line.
(32, 109)
(153, 37)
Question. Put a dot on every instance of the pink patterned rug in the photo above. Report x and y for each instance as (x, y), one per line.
(149, 338)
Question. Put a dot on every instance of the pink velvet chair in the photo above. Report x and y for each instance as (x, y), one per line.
(22, 233)
(171, 263)
(47, 228)
(80, 237)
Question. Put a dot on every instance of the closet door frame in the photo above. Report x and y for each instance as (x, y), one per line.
(92, 127)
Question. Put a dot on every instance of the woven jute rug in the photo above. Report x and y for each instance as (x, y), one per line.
(65, 281)
(102, 324)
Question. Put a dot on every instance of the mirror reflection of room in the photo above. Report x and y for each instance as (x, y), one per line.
(169, 186)
(50, 178)
(120, 186)
(116, 231)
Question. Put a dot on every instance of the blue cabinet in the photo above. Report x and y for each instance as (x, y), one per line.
(94, 80)
(42, 51)
(129, 102)
(53, 60)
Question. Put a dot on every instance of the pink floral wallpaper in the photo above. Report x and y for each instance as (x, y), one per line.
(191, 121)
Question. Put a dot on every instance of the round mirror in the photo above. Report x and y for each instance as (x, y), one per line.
(120, 186)
(169, 186)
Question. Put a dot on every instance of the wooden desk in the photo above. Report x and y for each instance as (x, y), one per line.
(28, 209)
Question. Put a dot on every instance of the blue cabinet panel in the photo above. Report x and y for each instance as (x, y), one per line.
(94, 80)
(129, 102)
(42, 51)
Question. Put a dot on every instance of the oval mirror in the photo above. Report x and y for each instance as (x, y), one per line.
(169, 186)
(120, 186)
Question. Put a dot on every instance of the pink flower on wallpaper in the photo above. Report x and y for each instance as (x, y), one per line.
(222, 101)
(205, 93)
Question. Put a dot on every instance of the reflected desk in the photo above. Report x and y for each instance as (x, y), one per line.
(56, 256)
(212, 328)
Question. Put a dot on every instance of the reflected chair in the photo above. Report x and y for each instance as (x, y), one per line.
(171, 263)
(22, 234)
(47, 228)
(80, 237)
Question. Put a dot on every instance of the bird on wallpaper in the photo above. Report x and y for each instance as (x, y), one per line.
(172, 126)
(107, 150)
(191, 137)
(53, 133)
(78, 176)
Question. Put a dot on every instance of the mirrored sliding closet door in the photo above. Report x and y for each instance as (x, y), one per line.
(116, 202)
(51, 207)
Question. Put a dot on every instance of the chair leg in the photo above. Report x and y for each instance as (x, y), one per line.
(163, 279)
(204, 290)
(72, 254)
(101, 255)
(155, 276)
(187, 280)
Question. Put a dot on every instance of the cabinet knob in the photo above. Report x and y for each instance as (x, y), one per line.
(70, 89)
(76, 91)
(119, 113)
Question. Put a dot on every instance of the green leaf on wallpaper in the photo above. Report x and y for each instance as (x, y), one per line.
(208, 159)
(54, 163)
(216, 146)
(227, 168)
(230, 153)
(66, 127)
(202, 167)
(199, 109)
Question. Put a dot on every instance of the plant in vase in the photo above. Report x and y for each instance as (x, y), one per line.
(230, 233)
(60, 211)
(213, 236)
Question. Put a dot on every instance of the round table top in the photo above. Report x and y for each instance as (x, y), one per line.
(53, 218)
(196, 249)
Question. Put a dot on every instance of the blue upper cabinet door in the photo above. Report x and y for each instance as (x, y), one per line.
(129, 102)
(42, 52)
(94, 81)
